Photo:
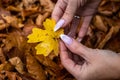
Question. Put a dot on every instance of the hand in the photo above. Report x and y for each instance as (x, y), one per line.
(65, 10)
(97, 64)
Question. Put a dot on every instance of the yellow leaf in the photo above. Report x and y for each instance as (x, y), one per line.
(37, 35)
(49, 24)
(56, 47)
(47, 38)
(44, 48)
(58, 32)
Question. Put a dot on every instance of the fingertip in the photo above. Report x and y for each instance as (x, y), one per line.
(85, 26)
(66, 39)
(58, 13)
(76, 47)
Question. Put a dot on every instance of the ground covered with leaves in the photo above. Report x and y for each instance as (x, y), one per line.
(18, 59)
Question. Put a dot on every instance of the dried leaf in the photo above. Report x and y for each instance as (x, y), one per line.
(103, 33)
(2, 56)
(109, 7)
(12, 76)
(112, 32)
(99, 23)
(47, 4)
(6, 66)
(13, 21)
(48, 63)
(14, 46)
(15, 61)
(34, 68)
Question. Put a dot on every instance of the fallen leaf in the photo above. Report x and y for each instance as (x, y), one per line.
(35, 68)
(16, 61)
(47, 38)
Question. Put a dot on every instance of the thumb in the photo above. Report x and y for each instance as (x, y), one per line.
(67, 62)
(77, 48)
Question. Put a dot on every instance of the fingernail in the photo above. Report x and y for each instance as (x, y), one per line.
(59, 24)
(66, 39)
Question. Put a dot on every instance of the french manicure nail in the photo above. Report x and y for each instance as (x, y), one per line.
(59, 24)
(66, 39)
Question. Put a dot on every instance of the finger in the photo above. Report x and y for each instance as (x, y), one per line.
(76, 47)
(59, 9)
(72, 67)
(84, 27)
(89, 9)
(68, 14)
(73, 27)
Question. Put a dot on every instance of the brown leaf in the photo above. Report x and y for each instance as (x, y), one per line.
(115, 41)
(11, 76)
(111, 33)
(34, 68)
(99, 23)
(16, 61)
(47, 5)
(13, 21)
(6, 66)
(109, 7)
(14, 46)
(2, 56)
(48, 63)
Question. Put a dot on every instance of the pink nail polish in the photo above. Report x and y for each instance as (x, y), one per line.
(59, 24)
(66, 39)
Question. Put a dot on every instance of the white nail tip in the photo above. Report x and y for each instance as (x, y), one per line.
(66, 39)
(59, 24)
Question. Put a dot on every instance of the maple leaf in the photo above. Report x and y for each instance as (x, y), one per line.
(46, 38)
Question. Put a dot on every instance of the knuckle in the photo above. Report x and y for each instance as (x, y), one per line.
(75, 47)
(67, 16)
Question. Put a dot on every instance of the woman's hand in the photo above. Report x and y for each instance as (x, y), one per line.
(65, 10)
(95, 65)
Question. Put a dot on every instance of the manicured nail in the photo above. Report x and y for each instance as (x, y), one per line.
(66, 39)
(59, 24)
